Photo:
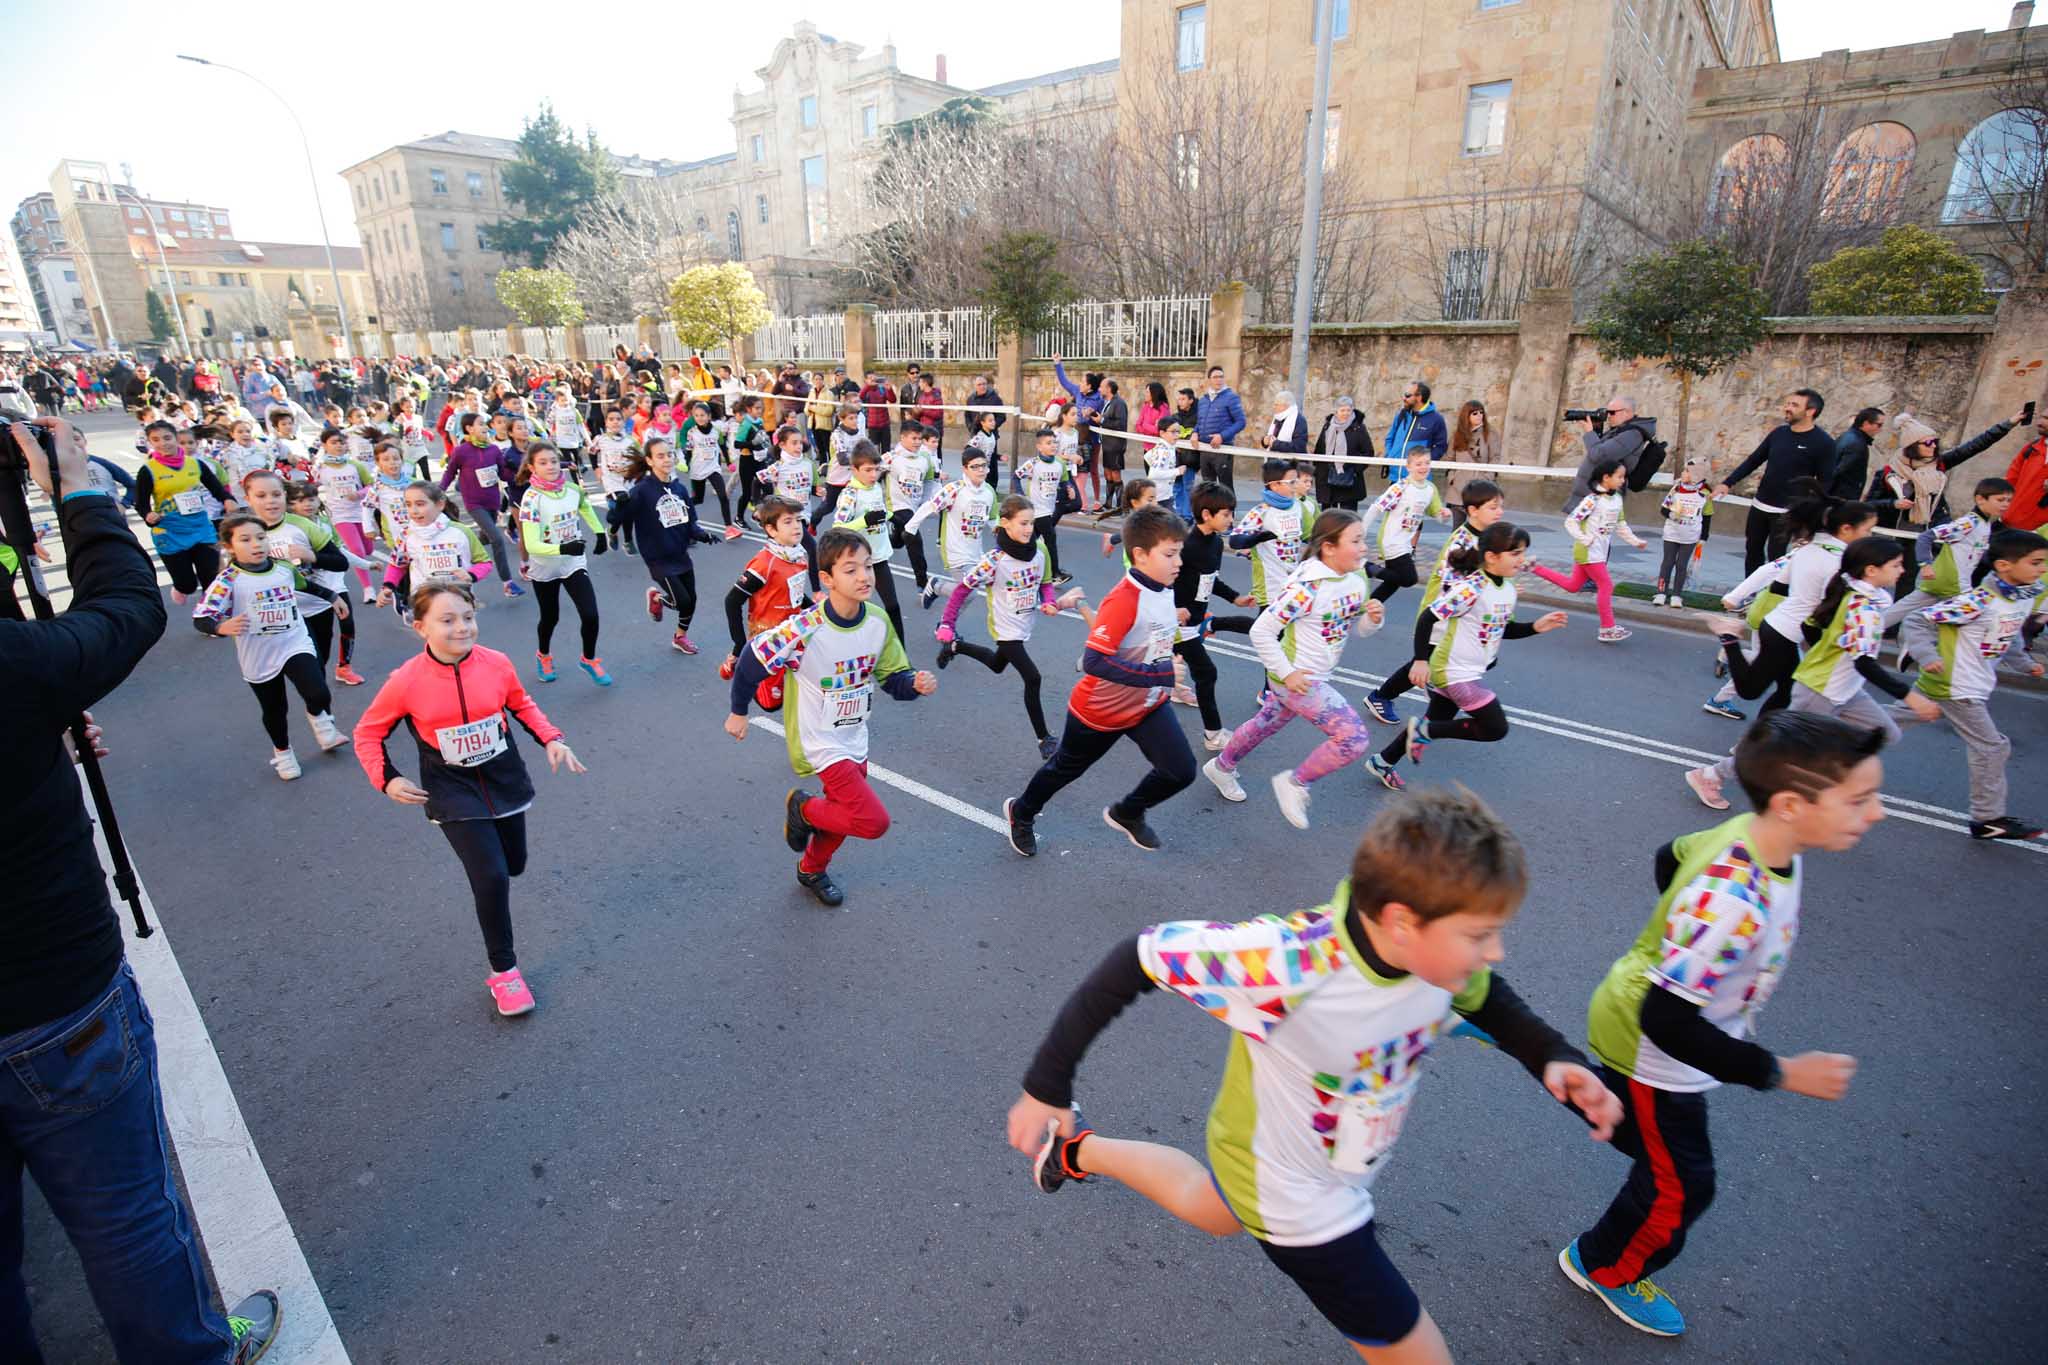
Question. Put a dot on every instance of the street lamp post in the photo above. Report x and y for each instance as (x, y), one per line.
(170, 288)
(313, 178)
(1312, 206)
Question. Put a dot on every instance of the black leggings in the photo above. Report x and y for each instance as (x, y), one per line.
(1011, 654)
(624, 529)
(194, 568)
(493, 852)
(548, 593)
(1049, 531)
(1202, 672)
(1396, 574)
(750, 478)
(320, 625)
(825, 506)
(885, 588)
(1484, 726)
(717, 481)
(306, 673)
(913, 546)
(1771, 671)
(679, 591)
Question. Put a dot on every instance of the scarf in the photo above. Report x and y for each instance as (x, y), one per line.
(1278, 500)
(174, 460)
(1015, 549)
(1283, 423)
(788, 554)
(1926, 480)
(548, 486)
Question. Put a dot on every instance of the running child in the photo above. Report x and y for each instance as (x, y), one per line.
(906, 470)
(1393, 524)
(1016, 574)
(564, 421)
(1953, 550)
(1136, 494)
(659, 512)
(1128, 675)
(291, 537)
(772, 587)
(254, 600)
(1457, 640)
(1829, 680)
(613, 452)
(428, 545)
(342, 480)
(1300, 639)
(1781, 639)
(170, 492)
(553, 517)
(705, 446)
(303, 502)
(1045, 479)
(1760, 593)
(839, 466)
(832, 658)
(243, 454)
(412, 435)
(1482, 504)
(1274, 532)
(384, 500)
(863, 507)
(1962, 644)
(1688, 512)
(1674, 1016)
(748, 441)
(1197, 582)
(453, 695)
(1593, 525)
(965, 508)
(481, 466)
(793, 476)
(1329, 1036)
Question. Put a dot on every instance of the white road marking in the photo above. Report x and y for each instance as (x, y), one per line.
(910, 785)
(249, 1241)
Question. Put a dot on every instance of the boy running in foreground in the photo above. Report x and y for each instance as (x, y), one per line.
(1333, 1011)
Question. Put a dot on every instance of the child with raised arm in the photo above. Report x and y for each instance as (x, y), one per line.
(774, 585)
(1593, 526)
(1483, 504)
(966, 509)
(1333, 1011)
(1393, 524)
(1674, 1016)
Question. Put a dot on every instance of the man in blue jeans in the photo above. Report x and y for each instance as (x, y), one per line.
(81, 1102)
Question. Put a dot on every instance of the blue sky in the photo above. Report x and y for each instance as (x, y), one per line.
(369, 74)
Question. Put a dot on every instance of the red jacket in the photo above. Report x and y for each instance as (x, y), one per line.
(430, 696)
(879, 398)
(2028, 475)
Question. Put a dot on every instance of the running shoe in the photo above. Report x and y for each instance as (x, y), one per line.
(1023, 838)
(632, 550)
(1720, 666)
(654, 604)
(595, 668)
(682, 643)
(1613, 635)
(1676, 603)
(1657, 599)
(1418, 738)
(1728, 710)
(254, 1322)
(1293, 799)
(725, 670)
(1184, 695)
(1726, 629)
(1133, 827)
(509, 989)
(1224, 780)
(1054, 1164)
(2004, 827)
(1048, 746)
(1706, 785)
(796, 831)
(177, 597)
(612, 537)
(286, 764)
(348, 677)
(326, 733)
(928, 594)
(821, 885)
(1215, 741)
(1381, 709)
(544, 667)
(1384, 771)
(1641, 1305)
(1061, 579)
(946, 653)
(733, 532)
(514, 590)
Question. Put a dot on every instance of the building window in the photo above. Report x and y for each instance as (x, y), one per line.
(184, 277)
(1187, 160)
(242, 279)
(1464, 283)
(870, 120)
(732, 234)
(1497, 4)
(807, 111)
(177, 215)
(362, 200)
(761, 207)
(1333, 128)
(455, 285)
(377, 189)
(1190, 36)
(134, 212)
(1867, 174)
(480, 238)
(394, 184)
(223, 279)
(1753, 171)
(448, 238)
(703, 226)
(1486, 117)
(1340, 19)
(220, 220)
(758, 145)
(1999, 170)
(387, 239)
(439, 180)
(814, 200)
(475, 181)
(71, 277)
(405, 235)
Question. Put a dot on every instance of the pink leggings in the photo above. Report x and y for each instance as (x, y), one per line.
(1582, 574)
(1320, 706)
(351, 533)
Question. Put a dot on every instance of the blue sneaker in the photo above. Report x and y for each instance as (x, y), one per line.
(514, 590)
(1641, 1305)
(544, 667)
(1381, 710)
(1418, 739)
(1714, 706)
(595, 668)
(1384, 771)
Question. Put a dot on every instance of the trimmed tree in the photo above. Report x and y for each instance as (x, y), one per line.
(1693, 308)
(539, 298)
(552, 181)
(710, 304)
(160, 324)
(1908, 271)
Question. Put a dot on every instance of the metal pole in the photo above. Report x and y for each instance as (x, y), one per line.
(170, 287)
(1311, 208)
(312, 178)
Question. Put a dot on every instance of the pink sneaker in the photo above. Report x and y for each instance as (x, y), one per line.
(508, 988)
(683, 643)
(654, 605)
(733, 532)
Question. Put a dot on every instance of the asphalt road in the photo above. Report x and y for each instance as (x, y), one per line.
(740, 1127)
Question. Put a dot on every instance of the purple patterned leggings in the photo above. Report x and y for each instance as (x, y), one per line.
(1321, 707)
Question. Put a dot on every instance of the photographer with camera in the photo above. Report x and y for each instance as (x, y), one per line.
(80, 1095)
(1610, 433)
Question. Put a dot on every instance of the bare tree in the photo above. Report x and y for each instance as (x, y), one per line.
(2002, 165)
(406, 304)
(626, 247)
(253, 309)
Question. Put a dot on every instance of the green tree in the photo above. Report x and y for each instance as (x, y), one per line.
(1021, 284)
(1908, 271)
(961, 114)
(552, 181)
(710, 304)
(160, 324)
(539, 298)
(1693, 308)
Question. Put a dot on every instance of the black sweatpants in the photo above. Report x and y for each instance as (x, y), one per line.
(885, 588)
(1011, 654)
(679, 591)
(826, 504)
(548, 593)
(1396, 574)
(308, 675)
(1202, 673)
(1048, 529)
(623, 530)
(1158, 736)
(1484, 726)
(913, 546)
(320, 625)
(192, 569)
(1771, 671)
(749, 480)
(1764, 536)
(1670, 1184)
(493, 852)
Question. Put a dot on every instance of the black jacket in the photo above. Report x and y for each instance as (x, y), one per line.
(1116, 415)
(1343, 483)
(1852, 466)
(59, 941)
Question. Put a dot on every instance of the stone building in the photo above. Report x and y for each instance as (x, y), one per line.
(421, 208)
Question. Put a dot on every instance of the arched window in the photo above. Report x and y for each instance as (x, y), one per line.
(1998, 170)
(1867, 175)
(1749, 173)
(703, 226)
(732, 235)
